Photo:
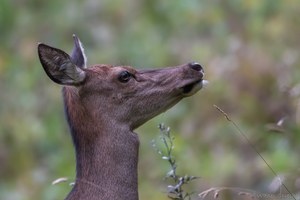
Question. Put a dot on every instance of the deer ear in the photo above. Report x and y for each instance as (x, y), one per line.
(78, 56)
(59, 66)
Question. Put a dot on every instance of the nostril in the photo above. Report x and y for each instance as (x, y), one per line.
(196, 66)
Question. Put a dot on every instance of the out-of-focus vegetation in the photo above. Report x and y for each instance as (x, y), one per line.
(250, 52)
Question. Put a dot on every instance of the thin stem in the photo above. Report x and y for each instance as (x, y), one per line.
(239, 130)
(175, 191)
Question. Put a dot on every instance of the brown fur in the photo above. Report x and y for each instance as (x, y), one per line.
(102, 115)
(103, 111)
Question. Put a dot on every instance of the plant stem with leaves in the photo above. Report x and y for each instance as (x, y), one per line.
(175, 191)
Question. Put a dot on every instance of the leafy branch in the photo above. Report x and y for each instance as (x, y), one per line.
(175, 191)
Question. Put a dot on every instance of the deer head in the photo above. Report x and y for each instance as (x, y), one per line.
(105, 103)
(121, 93)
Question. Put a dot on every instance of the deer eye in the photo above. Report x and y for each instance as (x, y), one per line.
(124, 76)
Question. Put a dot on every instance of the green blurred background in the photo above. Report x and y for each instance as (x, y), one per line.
(250, 52)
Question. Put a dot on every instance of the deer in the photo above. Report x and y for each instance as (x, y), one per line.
(104, 104)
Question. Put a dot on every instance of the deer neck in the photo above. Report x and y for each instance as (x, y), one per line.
(106, 155)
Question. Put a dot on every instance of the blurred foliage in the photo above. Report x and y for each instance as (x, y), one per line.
(250, 52)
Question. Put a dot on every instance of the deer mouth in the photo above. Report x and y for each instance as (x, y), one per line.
(192, 88)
